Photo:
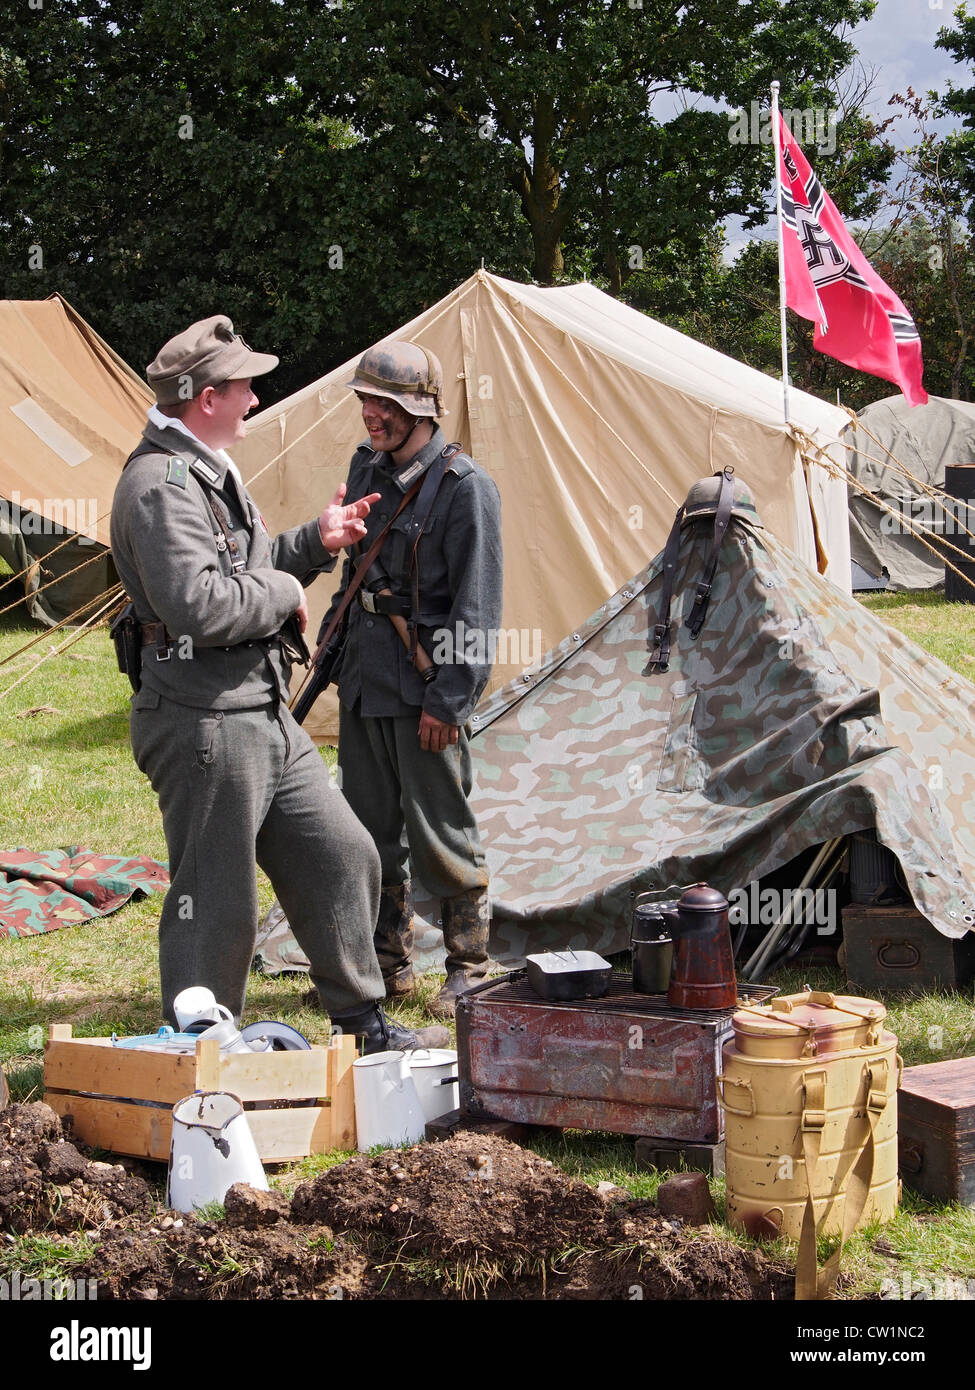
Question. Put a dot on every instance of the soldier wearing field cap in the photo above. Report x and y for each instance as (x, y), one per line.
(405, 704)
(220, 609)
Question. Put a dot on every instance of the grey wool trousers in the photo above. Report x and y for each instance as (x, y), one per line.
(240, 785)
(415, 804)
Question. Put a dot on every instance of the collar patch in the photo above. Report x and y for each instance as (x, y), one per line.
(209, 473)
(404, 479)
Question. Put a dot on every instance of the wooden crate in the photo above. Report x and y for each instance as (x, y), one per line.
(936, 1130)
(121, 1099)
(895, 950)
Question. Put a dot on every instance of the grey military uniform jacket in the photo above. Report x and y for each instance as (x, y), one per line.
(460, 581)
(176, 568)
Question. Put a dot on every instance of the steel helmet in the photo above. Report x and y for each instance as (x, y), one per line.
(702, 500)
(403, 372)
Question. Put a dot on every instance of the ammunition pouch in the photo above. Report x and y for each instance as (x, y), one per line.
(293, 644)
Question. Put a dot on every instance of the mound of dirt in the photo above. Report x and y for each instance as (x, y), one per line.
(477, 1198)
(473, 1194)
(183, 1258)
(48, 1183)
(474, 1216)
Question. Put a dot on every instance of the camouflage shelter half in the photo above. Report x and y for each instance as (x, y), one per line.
(70, 413)
(593, 420)
(794, 717)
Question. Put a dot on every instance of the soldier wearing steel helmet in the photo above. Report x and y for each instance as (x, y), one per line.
(403, 740)
(237, 778)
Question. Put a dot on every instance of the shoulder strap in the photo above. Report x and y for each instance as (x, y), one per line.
(726, 500)
(813, 1281)
(432, 479)
(421, 515)
(222, 529)
(659, 636)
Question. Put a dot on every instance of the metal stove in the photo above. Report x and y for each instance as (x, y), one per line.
(628, 1063)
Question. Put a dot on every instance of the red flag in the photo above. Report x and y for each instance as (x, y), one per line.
(859, 320)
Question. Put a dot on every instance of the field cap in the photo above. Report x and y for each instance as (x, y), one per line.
(205, 354)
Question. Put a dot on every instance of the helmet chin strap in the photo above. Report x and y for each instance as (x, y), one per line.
(416, 420)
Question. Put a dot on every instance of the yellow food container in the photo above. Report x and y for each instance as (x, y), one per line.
(809, 1090)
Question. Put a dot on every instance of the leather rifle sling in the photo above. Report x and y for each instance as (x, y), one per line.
(361, 569)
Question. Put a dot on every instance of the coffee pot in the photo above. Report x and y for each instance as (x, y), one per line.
(703, 974)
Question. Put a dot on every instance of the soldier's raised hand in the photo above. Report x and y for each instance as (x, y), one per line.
(341, 525)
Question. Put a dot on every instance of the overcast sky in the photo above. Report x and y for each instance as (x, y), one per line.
(899, 42)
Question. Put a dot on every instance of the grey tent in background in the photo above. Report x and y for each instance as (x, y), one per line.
(922, 438)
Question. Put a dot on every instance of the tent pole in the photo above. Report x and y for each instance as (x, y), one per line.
(754, 967)
(776, 145)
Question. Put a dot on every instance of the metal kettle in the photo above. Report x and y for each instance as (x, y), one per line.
(703, 975)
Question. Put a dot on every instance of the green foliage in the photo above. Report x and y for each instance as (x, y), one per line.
(571, 108)
(324, 171)
(960, 101)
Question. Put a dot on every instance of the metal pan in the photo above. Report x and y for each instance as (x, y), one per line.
(568, 974)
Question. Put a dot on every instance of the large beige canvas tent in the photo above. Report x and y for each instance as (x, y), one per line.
(71, 411)
(594, 421)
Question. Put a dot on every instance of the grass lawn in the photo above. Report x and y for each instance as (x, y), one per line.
(946, 630)
(69, 779)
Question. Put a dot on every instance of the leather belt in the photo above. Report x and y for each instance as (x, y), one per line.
(155, 635)
(383, 603)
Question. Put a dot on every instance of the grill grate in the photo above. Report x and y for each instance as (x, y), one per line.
(619, 998)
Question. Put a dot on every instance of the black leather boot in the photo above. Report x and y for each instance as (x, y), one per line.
(375, 1033)
(393, 939)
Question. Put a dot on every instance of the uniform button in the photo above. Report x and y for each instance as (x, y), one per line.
(370, 623)
(383, 516)
(219, 715)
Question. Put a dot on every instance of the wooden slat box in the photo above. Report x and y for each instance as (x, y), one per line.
(894, 950)
(936, 1130)
(121, 1099)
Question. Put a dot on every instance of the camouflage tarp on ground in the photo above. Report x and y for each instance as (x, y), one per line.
(794, 717)
(42, 891)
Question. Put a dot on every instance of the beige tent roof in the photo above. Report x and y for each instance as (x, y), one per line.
(71, 411)
(594, 421)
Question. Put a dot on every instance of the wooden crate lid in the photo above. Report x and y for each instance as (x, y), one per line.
(940, 1094)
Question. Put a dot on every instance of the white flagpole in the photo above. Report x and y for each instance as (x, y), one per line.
(776, 143)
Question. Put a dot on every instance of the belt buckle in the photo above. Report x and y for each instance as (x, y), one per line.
(163, 653)
(368, 601)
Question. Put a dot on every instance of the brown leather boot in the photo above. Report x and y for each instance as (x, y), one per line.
(466, 924)
(393, 939)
